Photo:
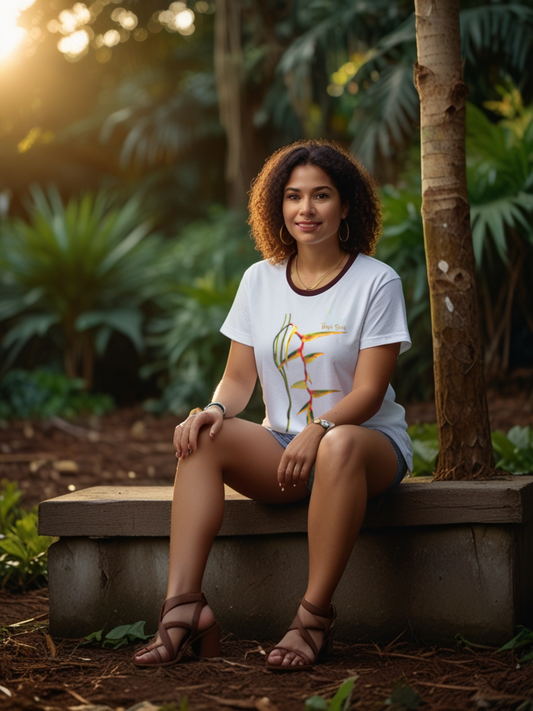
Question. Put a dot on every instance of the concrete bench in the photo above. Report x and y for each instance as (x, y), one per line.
(434, 559)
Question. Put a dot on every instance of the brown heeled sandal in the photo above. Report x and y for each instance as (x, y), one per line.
(205, 643)
(327, 645)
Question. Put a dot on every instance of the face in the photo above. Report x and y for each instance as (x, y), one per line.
(312, 207)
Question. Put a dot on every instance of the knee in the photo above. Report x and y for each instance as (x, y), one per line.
(339, 455)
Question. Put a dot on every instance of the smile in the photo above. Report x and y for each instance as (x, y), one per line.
(308, 226)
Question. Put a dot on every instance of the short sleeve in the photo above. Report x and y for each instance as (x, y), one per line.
(386, 319)
(237, 325)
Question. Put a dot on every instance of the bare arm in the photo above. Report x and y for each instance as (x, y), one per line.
(233, 391)
(372, 376)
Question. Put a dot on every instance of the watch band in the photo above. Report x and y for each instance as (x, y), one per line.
(326, 424)
(219, 405)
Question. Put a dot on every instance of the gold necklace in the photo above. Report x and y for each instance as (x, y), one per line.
(310, 288)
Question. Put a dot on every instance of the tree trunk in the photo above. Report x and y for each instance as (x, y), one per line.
(465, 450)
(239, 97)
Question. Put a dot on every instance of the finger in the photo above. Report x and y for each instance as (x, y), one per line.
(177, 440)
(196, 422)
(217, 425)
(285, 472)
(295, 474)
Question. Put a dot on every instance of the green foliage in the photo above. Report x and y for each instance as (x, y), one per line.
(515, 450)
(340, 702)
(425, 440)
(521, 644)
(119, 636)
(201, 275)
(403, 698)
(500, 185)
(23, 561)
(402, 247)
(44, 393)
(75, 273)
(184, 706)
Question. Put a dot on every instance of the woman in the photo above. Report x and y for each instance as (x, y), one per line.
(321, 324)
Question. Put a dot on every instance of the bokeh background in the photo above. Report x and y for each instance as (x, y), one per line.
(130, 131)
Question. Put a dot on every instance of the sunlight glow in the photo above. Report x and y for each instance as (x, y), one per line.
(178, 18)
(72, 46)
(11, 35)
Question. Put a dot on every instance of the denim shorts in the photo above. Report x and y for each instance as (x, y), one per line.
(284, 438)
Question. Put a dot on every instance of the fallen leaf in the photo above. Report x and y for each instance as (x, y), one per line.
(37, 464)
(65, 465)
(233, 703)
(5, 691)
(265, 704)
(51, 645)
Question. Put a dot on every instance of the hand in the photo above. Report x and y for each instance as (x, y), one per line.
(186, 434)
(299, 457)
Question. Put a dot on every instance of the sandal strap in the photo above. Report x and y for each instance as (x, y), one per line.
(295, 651)
(318, 611)
(192, 627)
(303, 631)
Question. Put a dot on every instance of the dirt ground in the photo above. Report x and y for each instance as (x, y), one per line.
(51, 458)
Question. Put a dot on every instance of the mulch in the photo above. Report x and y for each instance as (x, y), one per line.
(42, 674)
(51, 458)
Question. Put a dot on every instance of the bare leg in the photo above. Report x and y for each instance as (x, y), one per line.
(244, 455)
(353, 464)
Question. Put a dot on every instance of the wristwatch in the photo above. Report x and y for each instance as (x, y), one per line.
(326, 424)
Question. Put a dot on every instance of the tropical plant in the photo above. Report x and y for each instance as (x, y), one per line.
(513, 452)
(367, 51)
(522, 644)
(75, 273)
(402, 247)
(23, 560)
(500, 186)
(500, 180)
(339, 702)
(201, 274)
(119, 636)
(44, 393)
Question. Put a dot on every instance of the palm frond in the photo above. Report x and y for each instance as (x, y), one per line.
(502, 30)
(386, 114)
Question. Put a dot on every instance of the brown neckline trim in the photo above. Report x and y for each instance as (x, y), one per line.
(315, 292)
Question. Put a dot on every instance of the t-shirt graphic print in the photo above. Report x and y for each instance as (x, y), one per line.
(284, 351)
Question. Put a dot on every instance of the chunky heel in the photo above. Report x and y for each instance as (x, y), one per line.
(208, 645)
(327, 649)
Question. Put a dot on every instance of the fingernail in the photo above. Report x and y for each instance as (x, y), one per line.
(178, 454)
(212, 435)
(294, 484)
(283, 488)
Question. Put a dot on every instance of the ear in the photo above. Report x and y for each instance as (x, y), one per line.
(345, 209)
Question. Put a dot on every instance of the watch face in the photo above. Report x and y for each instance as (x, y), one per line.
(324, 423)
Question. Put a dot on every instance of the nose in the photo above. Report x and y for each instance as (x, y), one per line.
(307, 207)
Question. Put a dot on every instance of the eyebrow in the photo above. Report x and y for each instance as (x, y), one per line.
(297, 190)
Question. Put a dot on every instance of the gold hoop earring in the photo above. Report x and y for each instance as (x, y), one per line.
(287, 244)
(347, 233)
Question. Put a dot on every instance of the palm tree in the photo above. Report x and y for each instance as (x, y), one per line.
(465, 450)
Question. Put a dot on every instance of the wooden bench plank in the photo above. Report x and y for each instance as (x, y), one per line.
(145, 511)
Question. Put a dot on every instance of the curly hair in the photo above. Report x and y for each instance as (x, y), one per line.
(354, 184)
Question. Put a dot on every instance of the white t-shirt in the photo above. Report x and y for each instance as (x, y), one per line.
(306, 344)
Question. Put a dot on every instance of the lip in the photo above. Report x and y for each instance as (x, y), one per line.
(308, 226)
